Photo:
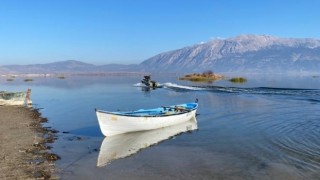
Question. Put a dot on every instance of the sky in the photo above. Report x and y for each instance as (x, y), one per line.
(131, 31)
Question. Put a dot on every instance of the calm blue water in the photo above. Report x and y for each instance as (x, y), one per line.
(267, 128)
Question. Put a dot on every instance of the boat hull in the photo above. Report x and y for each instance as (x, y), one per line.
(113, 124)
(14, 98)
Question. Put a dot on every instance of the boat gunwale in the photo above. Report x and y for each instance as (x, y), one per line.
(157, 115)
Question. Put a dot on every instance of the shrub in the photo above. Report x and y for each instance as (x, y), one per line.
(238, 80)
(208, 73)
(28, 80)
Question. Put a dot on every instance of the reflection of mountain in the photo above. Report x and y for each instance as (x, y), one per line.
(124, 145)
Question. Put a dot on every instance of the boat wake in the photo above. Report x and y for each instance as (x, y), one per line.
(139, 85)
(311, 94)
(181, 87)
(143, 85)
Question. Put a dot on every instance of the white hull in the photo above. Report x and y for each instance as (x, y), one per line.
(124, 145)
(14, 102)
(14, 98)
(113, 124)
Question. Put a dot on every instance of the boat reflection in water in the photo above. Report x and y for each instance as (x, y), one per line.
(124, 145)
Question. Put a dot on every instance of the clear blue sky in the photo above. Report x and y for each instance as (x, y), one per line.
(130, 31)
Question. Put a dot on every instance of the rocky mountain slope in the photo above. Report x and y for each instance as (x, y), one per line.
(245, 53)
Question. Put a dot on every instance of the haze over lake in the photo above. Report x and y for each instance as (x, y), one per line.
(267, 128)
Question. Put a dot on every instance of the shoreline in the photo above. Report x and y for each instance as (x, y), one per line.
(25, 145)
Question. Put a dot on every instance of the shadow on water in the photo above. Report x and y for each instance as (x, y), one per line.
(93, 131)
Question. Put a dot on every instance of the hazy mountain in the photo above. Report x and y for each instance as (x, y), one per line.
(4, 70)
(245, 53)
(70, 66)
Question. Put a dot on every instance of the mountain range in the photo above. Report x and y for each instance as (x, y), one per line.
(241, 54)
(245, 53)
(69, 66)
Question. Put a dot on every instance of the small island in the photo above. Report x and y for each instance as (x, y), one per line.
(238, 80)
(206, 76)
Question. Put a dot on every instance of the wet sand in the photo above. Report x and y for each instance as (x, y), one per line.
(25, 145)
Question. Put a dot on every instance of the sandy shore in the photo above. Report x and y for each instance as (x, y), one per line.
(24, 145)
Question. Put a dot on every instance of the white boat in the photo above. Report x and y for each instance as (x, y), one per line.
(15, 98)
(124, 145)
(113, 123)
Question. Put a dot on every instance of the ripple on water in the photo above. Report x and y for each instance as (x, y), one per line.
(298, 143)
(289, 134)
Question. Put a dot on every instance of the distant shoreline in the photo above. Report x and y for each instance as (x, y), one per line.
(70, 74)
(13, 75)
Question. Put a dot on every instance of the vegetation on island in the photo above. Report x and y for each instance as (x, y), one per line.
(61, 77)
(28, 80)
(206, 76)
(238, 80)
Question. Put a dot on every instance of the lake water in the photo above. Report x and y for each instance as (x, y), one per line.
(267, 128)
